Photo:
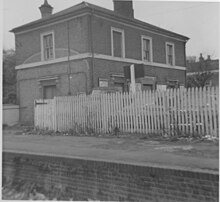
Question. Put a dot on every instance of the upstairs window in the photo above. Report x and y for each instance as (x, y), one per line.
(170, 56)
(147, 54)
(47, 46)
(117, 42)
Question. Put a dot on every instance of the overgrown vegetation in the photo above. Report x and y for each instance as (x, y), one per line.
(171, 135)
(9, 77)
(202, 74)
(199, 79)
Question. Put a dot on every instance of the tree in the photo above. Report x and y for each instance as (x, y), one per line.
(9, 77)
(191, 59)
(201, 73)
(199, 79)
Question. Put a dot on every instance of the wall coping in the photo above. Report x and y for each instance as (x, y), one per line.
(180, 168)
(96, 56)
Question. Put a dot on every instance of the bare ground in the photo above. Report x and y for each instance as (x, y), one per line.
(134, 149)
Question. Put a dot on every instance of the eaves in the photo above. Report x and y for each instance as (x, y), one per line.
(50, 20)
(109, 15)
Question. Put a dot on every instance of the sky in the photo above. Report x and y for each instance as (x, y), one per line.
(197, 20)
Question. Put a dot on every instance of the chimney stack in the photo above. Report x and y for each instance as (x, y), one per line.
(124, 8)
(208, 58)
(46, 9)
(201, 58)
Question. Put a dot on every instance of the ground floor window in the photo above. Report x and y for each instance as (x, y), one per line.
(49, 92)
(48, 86)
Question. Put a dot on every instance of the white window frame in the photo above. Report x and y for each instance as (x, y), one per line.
(142, 48)
(42, 45)
(173, 52)
(123, 41)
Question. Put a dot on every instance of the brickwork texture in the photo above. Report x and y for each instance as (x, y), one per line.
(83, 179)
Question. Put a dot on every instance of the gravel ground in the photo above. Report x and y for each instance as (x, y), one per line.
(187, 153)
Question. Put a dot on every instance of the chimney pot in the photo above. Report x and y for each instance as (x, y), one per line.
(46, 9)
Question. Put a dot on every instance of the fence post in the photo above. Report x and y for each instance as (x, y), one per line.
(54, 113)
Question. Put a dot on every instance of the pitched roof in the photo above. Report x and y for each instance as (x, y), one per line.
(83, 6)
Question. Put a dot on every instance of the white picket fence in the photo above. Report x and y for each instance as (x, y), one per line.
(193, 110)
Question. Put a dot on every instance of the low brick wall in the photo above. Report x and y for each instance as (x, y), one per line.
(97, 180)
(10, 114)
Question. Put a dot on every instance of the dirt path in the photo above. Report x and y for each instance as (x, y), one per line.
(128, 150)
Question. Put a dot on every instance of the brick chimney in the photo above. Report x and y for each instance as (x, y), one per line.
(208, 58)
(46, 9)
(124, 8)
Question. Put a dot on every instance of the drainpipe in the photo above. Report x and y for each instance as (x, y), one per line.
(92, 47)
(185, 64)
(69, 67)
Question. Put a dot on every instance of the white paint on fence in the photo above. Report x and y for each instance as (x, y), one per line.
(192, 110)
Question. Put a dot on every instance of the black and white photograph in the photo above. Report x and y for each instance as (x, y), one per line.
(110, 100)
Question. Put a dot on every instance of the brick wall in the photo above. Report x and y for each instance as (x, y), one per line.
(28, 50)
(102, 41)
(28, 88)
(104, 68)
(82, 179)
(28, 44)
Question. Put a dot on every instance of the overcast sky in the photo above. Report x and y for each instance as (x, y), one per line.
(197, 20)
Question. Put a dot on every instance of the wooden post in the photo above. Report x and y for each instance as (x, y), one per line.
(133, 87)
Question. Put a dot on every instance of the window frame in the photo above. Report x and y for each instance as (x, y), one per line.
(49, 86)
(42, 45)
(143, 37)
(173, 53)
(113, 29)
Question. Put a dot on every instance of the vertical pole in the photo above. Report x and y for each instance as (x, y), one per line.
(69, 67)
(132, 78)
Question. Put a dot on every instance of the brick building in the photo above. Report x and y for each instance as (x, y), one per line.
(86, 47)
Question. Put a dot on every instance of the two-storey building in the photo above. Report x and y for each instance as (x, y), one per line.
(86, 47)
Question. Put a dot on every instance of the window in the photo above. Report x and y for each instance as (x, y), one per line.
(49, 92)
(117, 42)
(47, 46)
(147, 54)
(170, 56)
(48, 86)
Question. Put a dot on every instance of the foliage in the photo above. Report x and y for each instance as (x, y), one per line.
(202, 76)
(9, 77)
(199, 79)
